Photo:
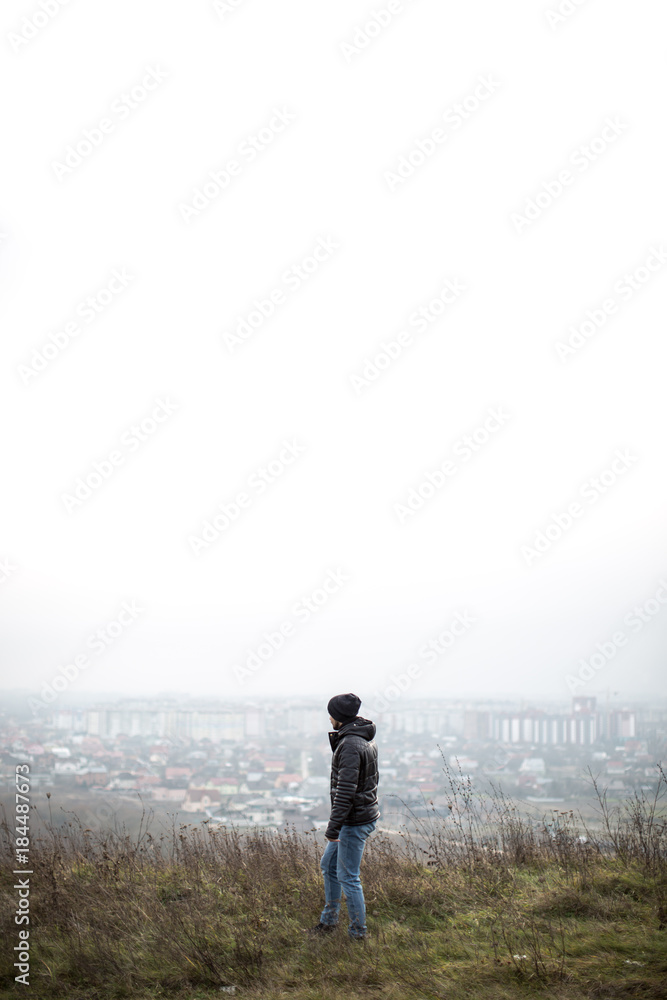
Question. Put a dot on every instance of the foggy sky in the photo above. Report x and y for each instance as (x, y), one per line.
(553, 429)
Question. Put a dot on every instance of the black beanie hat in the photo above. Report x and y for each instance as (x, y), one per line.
(344, 707)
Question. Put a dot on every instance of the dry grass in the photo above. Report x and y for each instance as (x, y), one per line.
(482, 905)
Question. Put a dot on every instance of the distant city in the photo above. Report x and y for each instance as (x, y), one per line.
(266, 762)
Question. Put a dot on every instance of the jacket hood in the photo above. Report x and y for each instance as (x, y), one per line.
(358, 727)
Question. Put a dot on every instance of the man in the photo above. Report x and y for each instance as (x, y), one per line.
(354, 813)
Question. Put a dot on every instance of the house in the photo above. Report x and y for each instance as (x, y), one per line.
(284, 780)
(275, 764)
(91, 775)
(124, 781)
(177, 772)
(258, 812)
(200, 799)
(66, 767)
(258, 781)
(146, 780)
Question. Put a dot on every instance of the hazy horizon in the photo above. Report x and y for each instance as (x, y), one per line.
(396, 377)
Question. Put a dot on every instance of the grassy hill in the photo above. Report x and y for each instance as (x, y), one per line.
(479, 906)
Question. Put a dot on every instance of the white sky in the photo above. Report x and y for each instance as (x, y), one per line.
(325, 178)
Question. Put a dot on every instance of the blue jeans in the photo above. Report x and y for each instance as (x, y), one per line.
(340, 867)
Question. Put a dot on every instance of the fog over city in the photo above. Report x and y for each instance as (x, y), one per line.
(356, 371)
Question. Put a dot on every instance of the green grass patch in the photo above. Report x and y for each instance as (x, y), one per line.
(213, 913)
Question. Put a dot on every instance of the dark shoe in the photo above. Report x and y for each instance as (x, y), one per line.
(321, 929)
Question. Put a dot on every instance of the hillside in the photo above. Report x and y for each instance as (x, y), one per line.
(489, 908)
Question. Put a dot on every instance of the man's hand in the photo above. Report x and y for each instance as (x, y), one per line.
(332, 841)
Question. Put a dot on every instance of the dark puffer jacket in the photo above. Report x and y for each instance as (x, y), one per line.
(354, 776)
